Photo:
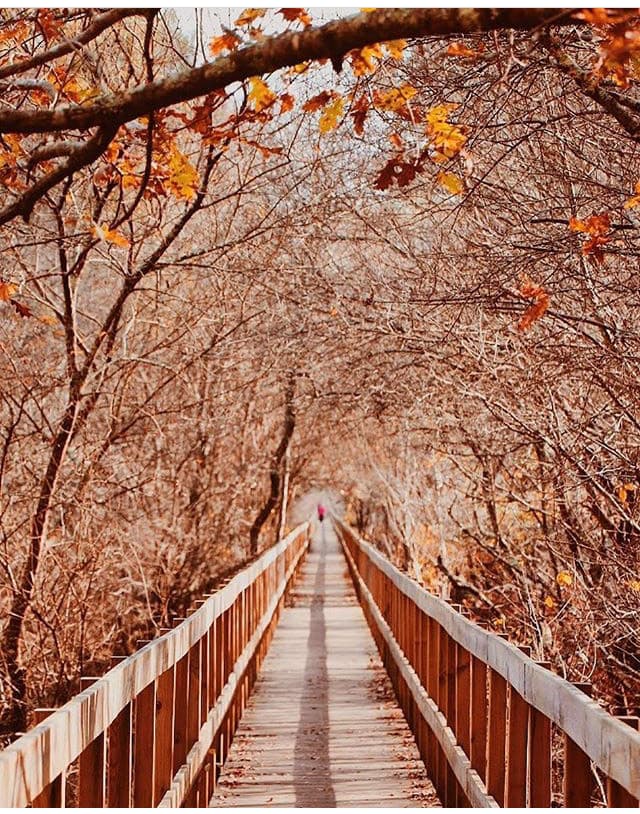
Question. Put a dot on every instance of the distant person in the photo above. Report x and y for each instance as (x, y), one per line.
(321, 512)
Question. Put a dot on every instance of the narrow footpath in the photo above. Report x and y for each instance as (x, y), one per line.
(322, 728)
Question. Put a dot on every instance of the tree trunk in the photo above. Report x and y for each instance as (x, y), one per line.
(276, 467)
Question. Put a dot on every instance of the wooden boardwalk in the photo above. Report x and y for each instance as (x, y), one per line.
(322, 727)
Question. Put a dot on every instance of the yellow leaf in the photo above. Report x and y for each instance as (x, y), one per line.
(364, 60)
(260, 94)
(564, 578)
(549, 602)
(450, 182)
(635, 199)
(7, 290)
(499, 622)
(183, 177)
(47, 319)
(634, 584)
(330, 115)
(395, 48)
(249, 15)
(394, 99)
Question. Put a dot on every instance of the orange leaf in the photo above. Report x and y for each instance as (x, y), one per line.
(450, 182)
(296, 15)
(7, 290)
(286, 102)
(226, 42)
(249, 15)
(459, 49)
(365, 60)
(319, 101)
(541, 300)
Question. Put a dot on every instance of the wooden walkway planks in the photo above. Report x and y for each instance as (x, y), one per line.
(323, 728)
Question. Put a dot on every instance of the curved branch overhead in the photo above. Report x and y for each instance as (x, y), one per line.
(330, 41)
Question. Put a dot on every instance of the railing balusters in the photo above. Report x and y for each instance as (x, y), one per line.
(617, 796)
(577, 779)
(53, 794)
(92, 766)
(144, 746)
(539, 762)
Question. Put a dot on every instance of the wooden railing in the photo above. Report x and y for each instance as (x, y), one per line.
(494, 727)
(155, 729)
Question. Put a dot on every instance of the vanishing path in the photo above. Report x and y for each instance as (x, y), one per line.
(323, 727)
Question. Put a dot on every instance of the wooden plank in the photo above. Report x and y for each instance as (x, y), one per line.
(53, 794)
(183, 781)
(469, 780)
(181, 704)
(163, 741)
(496, 736)
(539, 758)
(611, 745)
(48, 749)
(143, 747)
(321, 728)
(478, 745)
(518, 732)
(577, 778)
(617, 797)
(119, 763)
(91, 766)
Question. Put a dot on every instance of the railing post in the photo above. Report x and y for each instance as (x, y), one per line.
(119, 759)
(144, 742)
(463, 700)
(53, 795)
(478, 724)
(539, 757)
(496, 736)
(91, 766)
(163, 747)
(515, 795)
(617, 796)
(180, 705)
(578, 783)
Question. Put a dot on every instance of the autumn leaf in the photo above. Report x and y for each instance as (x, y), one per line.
(450, 182)
(623, 491)
(549, 602)
(459, 49)
(331, 113)
(394, 99)
(634, 584)
(260, 94)
(541, 300)
(286, 102)
(319, 101)
(111, 236)
(447, 138)
(7, 290)
(296, 15)
(634, 201)
(365, 60)
(564, 579)
(226, 42)
(396, 140)
(23, 310)
(398, 171)
(183, 178)
(395, 48)
(359, 111)
(249, 15)
(598, 228)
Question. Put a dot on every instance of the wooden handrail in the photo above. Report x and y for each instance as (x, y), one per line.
(428, 648)
(208, 663)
